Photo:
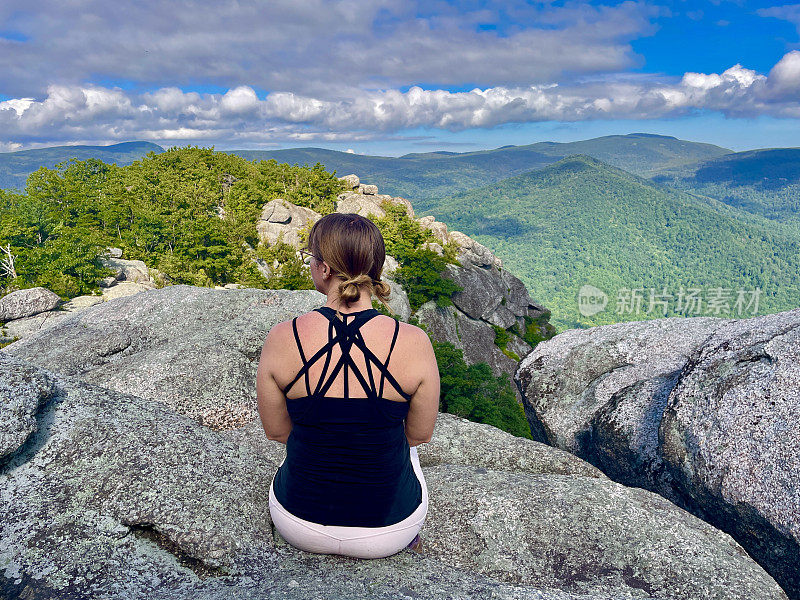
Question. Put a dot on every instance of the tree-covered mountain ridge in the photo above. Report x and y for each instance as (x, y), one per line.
(433, 174)
(582, 222)
(759, 181)
(415, 175)
(764, 182)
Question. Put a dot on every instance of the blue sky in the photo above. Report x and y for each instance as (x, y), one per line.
(393, 76)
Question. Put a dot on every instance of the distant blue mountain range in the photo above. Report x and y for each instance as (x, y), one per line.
(16, 166)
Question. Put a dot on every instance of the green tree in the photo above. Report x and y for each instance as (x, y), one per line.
(473, 392)
(421, 275)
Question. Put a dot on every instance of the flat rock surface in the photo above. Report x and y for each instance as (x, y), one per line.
(119, 496)
(113, 488)
(459, 441)
(583, 535)
(22, 328)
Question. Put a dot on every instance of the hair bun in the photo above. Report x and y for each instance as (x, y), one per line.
(350, 288)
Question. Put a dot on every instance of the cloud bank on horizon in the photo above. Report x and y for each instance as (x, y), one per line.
(248, 74)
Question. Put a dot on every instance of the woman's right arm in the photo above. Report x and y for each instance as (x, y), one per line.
(424, 404)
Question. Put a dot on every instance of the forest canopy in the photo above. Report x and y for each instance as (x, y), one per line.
(187, 212)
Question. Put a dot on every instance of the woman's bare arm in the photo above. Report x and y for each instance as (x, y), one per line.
(424, 405)
(271, 401)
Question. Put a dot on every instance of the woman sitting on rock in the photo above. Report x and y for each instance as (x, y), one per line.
(351, 392)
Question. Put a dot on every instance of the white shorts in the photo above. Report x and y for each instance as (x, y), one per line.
(359, 542)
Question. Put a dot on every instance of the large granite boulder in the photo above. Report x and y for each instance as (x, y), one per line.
(360, 204)
(704, 411)
(731, 438)
(438, 228)
(569, 377)
(471, 251)
(132, 271)
(369, 205)
(351, 181)
(27, 302)
(117, 496)
(180, 345)
(281, 220)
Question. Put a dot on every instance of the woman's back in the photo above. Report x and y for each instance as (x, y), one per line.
(347, 455)
(376, 332)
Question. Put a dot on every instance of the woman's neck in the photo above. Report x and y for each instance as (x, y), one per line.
(363, 303)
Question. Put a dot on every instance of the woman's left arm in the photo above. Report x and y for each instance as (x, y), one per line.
(271, 401)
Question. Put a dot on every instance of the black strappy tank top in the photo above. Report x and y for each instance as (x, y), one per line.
(347, 459)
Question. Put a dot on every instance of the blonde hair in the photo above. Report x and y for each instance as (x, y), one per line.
(354, 249)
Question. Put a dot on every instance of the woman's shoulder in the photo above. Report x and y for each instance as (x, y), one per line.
(279, 333)
(280, 336)
(412, 337)
(283, 329)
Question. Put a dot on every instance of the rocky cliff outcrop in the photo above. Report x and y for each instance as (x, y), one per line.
(490, 297)
(107, 494)
(704, 411)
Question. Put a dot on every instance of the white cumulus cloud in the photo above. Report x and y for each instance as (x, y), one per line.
(240, 115)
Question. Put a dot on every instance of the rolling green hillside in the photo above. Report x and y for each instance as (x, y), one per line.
(580, 221)
(417, 176)
(16, 166)
(763, 182)
(413, 176)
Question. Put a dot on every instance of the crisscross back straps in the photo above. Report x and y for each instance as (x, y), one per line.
(347, 335)
(385, 367)
(307, 363)
(302, 354)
